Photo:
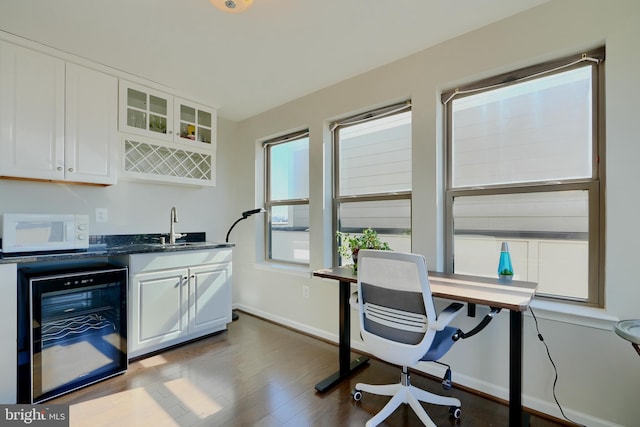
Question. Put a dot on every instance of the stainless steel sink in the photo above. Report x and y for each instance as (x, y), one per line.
(176, 245)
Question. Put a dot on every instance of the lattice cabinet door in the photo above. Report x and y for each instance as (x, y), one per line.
(153, 161)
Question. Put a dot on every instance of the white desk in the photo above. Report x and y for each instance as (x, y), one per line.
(514, 296)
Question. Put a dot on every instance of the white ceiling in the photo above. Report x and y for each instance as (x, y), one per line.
(248, 63)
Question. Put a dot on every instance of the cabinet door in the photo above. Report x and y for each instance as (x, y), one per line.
(8, 334)
(144, 111)
(31, 114)
(194, 123)
(91, 126)
(210, 293)
(158, 309)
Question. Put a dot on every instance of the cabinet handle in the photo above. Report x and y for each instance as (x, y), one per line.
(59, 168)
(185, 278)
(193, 276)
(70, 169)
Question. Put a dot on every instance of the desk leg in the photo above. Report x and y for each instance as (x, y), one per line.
(515, 368)
(346, 367)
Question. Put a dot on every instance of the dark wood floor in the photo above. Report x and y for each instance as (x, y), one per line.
(257, 374)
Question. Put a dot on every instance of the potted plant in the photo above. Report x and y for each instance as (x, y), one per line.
(350, 244)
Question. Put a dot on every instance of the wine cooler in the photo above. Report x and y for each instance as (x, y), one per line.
(72, 329)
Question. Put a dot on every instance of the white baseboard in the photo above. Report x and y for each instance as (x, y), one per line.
(287, 322)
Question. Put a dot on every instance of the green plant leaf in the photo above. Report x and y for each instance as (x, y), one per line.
(369, 239)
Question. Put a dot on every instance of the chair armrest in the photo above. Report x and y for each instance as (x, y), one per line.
(353, 301)
(480, 326)
(447, 315)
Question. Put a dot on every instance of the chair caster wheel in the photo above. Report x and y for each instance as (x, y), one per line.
(357, 395)
(455, 412)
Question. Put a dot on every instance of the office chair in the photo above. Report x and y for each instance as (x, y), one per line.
(399, 325)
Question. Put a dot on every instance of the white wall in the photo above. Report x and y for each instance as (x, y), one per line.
(599, 373)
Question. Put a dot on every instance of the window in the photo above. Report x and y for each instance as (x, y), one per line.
(287, 198)
(523, 166)
(372, 175)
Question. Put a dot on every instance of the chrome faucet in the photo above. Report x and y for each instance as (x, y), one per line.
(172, 231)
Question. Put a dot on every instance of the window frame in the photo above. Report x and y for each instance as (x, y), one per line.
(271, 203)
(339, 199)
(595, 185)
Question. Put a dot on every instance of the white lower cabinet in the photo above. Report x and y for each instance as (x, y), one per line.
(210, 292)
(8, 333)
(157, 304)
(176, 297)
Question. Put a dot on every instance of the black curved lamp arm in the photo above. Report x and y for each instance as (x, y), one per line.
(231, 228)
(245, 215)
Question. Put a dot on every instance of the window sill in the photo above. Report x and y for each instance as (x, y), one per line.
(568, 313)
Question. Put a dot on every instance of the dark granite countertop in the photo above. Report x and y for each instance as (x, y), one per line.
(113, 245)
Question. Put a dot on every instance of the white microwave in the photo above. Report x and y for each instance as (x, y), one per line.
(44, 232)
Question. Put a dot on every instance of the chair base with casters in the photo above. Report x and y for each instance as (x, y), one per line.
(404, 392)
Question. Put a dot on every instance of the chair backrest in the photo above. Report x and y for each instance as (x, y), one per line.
(395, 305)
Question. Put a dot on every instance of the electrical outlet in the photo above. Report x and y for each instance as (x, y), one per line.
(305, 291)
(102, 215)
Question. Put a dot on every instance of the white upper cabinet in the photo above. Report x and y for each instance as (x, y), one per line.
(60, 121)
(31, 114)
(154, 114)
(169, 139)
(57, 119)
(91, 131)
(146, 112)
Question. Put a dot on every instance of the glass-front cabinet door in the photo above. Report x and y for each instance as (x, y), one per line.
(145, 111)
(194, 122)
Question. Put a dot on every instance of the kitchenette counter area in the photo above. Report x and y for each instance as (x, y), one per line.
(116, 245)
